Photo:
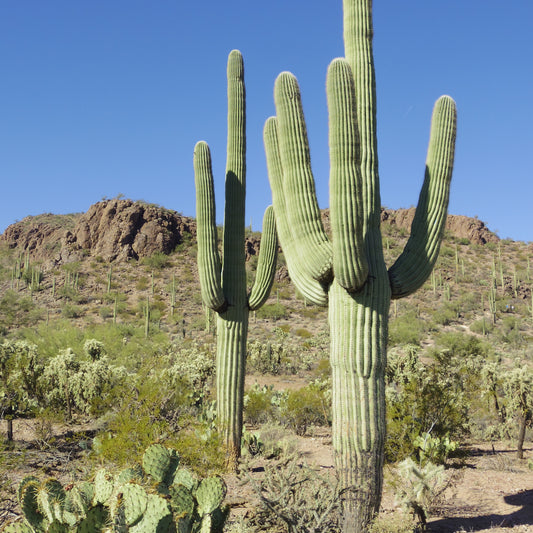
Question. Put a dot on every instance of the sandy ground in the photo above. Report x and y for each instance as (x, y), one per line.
(491, 492)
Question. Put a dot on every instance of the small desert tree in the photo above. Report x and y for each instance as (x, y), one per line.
(19, 371)
(518, 390)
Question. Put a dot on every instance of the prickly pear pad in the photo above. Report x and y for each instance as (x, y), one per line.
(156, 461)
(210, 494)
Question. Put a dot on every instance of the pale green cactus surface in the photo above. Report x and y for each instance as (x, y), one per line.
(223, 281)
(346, 270)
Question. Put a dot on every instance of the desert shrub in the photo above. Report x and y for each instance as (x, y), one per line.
(71, 311)
(17, 311)
(456, 345)
(296, 498)
(446, 314)
(157, 261)
(105, 312)
(142, 283)
(406, 329)
(261, 404)
(149, 414)
(273, 311)
(303, 333)
(125, 343)
(307, 406)
(482, 326)
(322, 369)
(424, 398)
(510, 331)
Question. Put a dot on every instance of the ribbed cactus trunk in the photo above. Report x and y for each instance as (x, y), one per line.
(232, 325)
(358, 325)
(223, 281)
(348, 272)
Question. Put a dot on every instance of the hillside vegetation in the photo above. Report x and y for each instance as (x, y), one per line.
(106, 348)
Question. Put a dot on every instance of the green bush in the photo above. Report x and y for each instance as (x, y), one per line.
(483, 326)
(308, 406)
(434, 398)
(406, 329)
(260, 404)
(272, 311)
(157, 261)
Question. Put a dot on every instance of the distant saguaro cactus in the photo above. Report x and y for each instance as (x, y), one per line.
(348, 272)
(223, 282)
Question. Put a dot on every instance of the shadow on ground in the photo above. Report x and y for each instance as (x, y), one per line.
(522, 516)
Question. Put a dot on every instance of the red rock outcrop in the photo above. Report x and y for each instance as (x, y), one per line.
(118, 230)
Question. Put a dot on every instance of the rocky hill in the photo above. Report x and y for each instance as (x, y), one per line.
(118, 230)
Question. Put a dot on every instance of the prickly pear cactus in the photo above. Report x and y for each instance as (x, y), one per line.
(210, 494)
(157, 499)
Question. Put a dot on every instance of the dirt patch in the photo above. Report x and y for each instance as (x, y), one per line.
(492, 490)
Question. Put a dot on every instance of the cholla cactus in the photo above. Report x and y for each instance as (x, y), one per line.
(75, 384)
(418, 485)
(160, 498)
(94, 349)
(518, 389)
(348, 273)
(20, 368)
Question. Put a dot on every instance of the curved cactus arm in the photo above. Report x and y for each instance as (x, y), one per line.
(209, 264)
(310, 240)
(345, 185)
(266, 266)
(312, 290)
(414, 265)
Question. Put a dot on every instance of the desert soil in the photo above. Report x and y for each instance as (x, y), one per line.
(492, 490)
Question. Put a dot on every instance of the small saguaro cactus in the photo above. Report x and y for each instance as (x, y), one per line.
(348, 272)
(223, 282)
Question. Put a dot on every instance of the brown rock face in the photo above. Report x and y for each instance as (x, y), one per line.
(115, 230)
(459, 226)
(122, 229)
(118, 230)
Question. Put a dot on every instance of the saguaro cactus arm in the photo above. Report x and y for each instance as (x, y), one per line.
(311, 289)
(266, 266)
(209, 264)
(414, 265)
(345, 185)
(303, 214)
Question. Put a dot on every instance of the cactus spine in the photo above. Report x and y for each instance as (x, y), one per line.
(348, 273)
(223, 285)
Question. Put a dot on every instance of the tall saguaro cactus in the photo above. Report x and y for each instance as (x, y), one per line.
(348, 272)
(223, 280)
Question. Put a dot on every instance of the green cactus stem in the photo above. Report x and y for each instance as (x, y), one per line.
(223, 283)
(348, 273)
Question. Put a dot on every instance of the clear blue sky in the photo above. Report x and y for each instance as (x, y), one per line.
(100, 98)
